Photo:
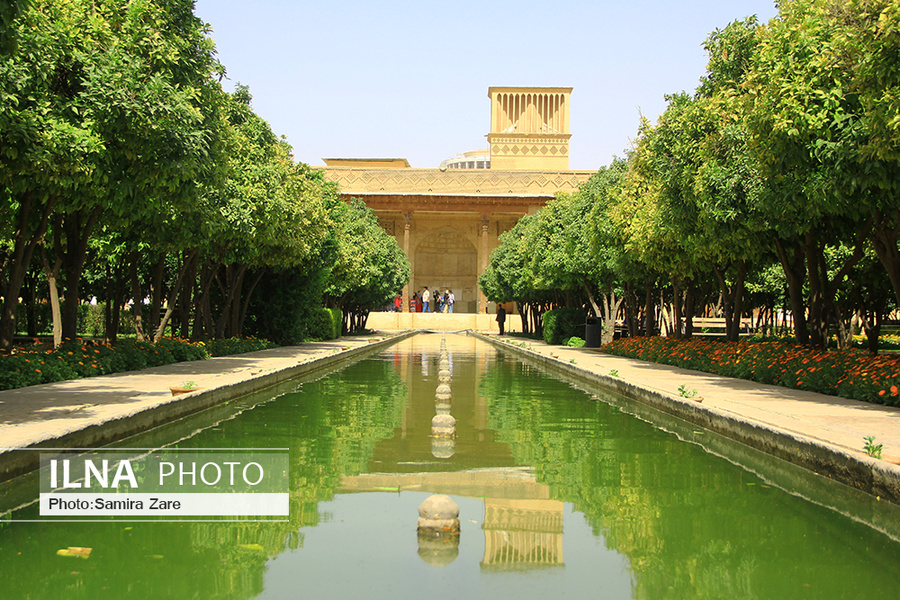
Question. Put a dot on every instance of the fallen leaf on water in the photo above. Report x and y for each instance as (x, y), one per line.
(253, 547)
(156, 556)
(68, 552)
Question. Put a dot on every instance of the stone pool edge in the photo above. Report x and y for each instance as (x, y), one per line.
(875, 477)
(155, 411)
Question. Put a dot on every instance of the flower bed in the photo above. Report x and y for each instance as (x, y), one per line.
(847, 373)
(76, 359)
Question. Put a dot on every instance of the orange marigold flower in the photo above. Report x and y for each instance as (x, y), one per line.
(881, 393)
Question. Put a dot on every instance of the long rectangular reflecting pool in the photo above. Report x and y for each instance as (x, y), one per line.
(562, 494)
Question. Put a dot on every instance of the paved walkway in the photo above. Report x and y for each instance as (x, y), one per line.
(826, 432)
(91, 412)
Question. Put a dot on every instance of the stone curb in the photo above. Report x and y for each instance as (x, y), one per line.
(876, 477)
(159, 410)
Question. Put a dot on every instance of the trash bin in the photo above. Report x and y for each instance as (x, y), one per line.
(592, 329)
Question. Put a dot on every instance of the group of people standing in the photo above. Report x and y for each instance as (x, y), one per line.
(432, 302)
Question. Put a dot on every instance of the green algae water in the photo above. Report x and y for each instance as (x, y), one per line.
(561, 495)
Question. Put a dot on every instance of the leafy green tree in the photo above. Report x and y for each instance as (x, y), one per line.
(509, 277)
(370, 269)
(598, 244)
(806, 133)
(10, 10)
(107, 114)
(263, 212)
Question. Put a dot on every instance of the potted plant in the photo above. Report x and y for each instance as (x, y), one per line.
(187, 386)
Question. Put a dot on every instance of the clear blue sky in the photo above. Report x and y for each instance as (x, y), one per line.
(409, 79)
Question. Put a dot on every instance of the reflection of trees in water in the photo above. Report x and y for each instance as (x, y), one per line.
(330, 426)
(690, 524)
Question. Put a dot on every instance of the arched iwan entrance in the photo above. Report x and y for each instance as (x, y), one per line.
(444, 259)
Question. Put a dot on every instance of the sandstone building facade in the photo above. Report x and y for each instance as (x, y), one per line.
(449, 219)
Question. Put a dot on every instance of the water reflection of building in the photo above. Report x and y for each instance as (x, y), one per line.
(522, 533)
(522, 526)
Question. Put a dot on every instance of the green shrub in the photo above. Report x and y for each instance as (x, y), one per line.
(236, 345)
(563, 323)
(74, 359)
(283, 306)
(574, 342)
(337, 320)
(324, 324)
(184, 350)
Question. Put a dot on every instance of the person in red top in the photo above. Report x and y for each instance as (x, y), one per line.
(398, 302)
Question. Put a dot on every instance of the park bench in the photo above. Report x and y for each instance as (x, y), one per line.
(715, 326)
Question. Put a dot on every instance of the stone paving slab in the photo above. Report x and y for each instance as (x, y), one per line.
(820, 432)
(91, 412)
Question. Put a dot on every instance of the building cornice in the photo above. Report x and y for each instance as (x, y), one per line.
(458, 183)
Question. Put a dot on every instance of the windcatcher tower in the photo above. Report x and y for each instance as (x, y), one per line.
(529, 128)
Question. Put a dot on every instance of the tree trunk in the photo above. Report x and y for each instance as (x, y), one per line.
(818, 317)
(176, 294)
(631, 310)
(156, 290)
(610, 310)
(523, 315)
(246, 304)
(137, 298)
(23, 248)
(731, 299)
(676, 309)
(823, 289)
(116, 299)
(794, 268)
(884, 239)
(29, 295)
(649, 310)
(689, 301)
(233, 280)
(77, 228)
(737, 297)
(51, 273)
(107, 307)
(202, 319)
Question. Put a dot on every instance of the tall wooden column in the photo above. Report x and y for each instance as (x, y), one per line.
(407, 224)
(482, 267)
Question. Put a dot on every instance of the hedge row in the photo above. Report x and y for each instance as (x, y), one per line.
(75, 359)
(847, 373)
(561, 324)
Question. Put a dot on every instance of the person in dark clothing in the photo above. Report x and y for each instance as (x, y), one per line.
(501, 317)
